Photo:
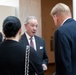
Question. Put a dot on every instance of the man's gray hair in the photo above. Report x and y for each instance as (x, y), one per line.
(28, 18)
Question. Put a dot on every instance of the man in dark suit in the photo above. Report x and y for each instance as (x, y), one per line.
(64, 40)
(31, 25)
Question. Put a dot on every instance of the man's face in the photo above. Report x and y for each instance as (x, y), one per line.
(31, 27)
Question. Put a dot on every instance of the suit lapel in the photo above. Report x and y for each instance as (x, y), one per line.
(37, 43)
(25, 39)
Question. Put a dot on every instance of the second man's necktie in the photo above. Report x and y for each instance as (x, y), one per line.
(31, 42)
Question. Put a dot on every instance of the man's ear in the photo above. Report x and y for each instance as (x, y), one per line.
(25, 25)
(56, 17)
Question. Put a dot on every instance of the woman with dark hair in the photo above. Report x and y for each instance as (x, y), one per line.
(12, 53)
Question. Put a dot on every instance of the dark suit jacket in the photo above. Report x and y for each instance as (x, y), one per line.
(41, 53)
(65, 48)
(12, 58)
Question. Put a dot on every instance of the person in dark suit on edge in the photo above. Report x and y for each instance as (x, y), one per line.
(38, 45)
(1, 37)
(64, 40)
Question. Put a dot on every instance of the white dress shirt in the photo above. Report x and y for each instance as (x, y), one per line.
(33, 39)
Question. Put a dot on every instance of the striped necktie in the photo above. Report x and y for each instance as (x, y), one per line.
(31, 43)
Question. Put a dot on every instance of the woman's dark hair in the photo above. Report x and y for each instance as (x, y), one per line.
(11, 26)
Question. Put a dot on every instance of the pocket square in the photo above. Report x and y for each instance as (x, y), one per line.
(41, 47)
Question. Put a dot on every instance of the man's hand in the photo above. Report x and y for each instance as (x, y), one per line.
(44, 67)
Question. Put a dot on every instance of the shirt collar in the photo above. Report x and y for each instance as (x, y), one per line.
(65, 20)
(28, 37)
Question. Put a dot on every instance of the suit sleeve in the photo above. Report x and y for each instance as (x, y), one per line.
(62, 54)
(45, 57)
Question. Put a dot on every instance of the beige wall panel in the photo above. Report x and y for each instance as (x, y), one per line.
(4, 12)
